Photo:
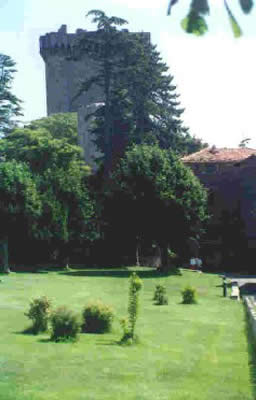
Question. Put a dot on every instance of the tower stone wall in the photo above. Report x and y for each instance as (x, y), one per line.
(65, 72)
(85, 138)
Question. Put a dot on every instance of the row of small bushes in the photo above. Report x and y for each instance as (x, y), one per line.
(97, 317)
(65, 324)
(188, 295)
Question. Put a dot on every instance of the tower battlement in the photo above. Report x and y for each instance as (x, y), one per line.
(61, 41)
(52, 42)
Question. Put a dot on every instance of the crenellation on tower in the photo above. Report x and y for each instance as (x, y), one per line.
(63, 29)
(63, 40)
(65, 71)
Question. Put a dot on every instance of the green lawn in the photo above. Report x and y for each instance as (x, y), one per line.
(187, 352)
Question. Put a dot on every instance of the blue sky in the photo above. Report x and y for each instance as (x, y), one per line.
(215, 75)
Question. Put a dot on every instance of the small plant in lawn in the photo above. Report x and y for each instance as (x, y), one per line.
(128, 325)
(39, 313)
(97, 318)
(160, 296)
(189, 295)
(65, 325)
(126, 330)
(155, 292)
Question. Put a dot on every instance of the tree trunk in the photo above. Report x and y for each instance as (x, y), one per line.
(137, 254)
(107, 133)
(6, 268)
(164, 257)
(63, 256)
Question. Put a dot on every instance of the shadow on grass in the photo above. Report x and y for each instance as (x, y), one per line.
(37, 268)
(28, 331)
(60, 341)
(108, 343)
(251, 346)
(46, 340)
(32, 271)
(118, 343)
(124, 273)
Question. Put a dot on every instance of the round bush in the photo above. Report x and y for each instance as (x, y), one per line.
(97, 318)
(189, 295)
(39, 313)
(65, 325)
(160, 296)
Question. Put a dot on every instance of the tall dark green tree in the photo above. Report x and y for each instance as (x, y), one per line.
(20, 203)
(141, 103)
(154, 198)
(110, 44)
(10, 105)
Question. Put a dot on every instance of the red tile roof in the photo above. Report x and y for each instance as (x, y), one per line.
(215, 155)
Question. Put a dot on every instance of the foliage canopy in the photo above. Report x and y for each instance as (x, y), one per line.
(10, 105)
(141, 103)
(156, 198)
(59, 177)
(195, 21)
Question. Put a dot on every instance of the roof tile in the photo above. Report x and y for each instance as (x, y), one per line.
(219, 155)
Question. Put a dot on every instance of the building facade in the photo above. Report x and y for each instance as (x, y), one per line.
(229, 176)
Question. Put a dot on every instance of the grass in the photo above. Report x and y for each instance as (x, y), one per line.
(186, 352)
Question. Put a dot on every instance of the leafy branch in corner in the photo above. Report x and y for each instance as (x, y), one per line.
(195, 21)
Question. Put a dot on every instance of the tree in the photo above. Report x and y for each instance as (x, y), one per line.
(61, 176)
(20, 203)
(195, 20)
(68, 209)
(40, 149)
(110, 46)
(9, 103)
(60, 126)
(154, 197)
(141, 104)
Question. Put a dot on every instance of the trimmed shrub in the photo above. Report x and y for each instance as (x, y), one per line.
(189, 295)
(39, 313)
(65, 325)
(97, 318)
(128, 324)
(160, 296)
(126, 331)
(155, 292)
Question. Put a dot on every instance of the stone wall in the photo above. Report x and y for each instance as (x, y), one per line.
(251, 312)
(65, 70)
(85, 138)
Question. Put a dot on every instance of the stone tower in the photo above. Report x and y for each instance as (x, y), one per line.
(64, 74)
